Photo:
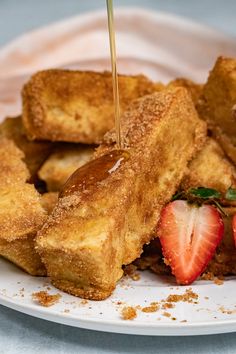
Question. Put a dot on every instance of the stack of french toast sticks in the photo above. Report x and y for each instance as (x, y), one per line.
(82, 228)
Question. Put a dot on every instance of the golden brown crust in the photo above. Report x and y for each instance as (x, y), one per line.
(75, 106)
(35, 153)
(211, 169)
(95, 231)
(68, 269)
(64, 160)
(76, 290)
(194, 89)
(13, 169)
(217, 104)
(21, 213)
(22, 253)
(20, 209)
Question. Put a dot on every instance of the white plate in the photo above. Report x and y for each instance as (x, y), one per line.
(214, 312)
(163, 42)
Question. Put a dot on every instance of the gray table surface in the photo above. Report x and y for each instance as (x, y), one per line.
(24, 334)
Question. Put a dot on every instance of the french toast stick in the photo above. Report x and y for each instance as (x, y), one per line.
(210, 168)
(109, 208)
(35, 152)
(76, 106)
(21, 213)
(62, 162)
(217, 104)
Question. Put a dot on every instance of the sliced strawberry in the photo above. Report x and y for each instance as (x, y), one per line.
(189, 236)
(234, 228)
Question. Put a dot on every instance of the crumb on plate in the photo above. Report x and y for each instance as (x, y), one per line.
(128, 313)
(218, 281)
(188, 296)
(45, 299)
(166, 314)
(152, 308)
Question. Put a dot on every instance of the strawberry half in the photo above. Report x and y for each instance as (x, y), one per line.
(234, 228)
(189, 236)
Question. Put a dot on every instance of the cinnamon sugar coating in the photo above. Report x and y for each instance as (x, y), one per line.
(21, 213)
(35, 152)
(94, 231)
(211, 169)
(76, 106)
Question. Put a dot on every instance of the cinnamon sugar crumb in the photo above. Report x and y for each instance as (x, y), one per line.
(152, 308)
(218, 281)
(135, 277)
(128, 313)
(210, 276)
(166, 314)
(207, 276)
(188, 296)
(167, 305)
(84, 302)
(45, 299)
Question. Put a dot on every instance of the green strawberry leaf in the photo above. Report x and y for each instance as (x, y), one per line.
(202, 195)
(205, 193)
(230, 194)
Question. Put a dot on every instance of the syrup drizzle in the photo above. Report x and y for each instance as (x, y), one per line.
(114, 73)
(95, 171)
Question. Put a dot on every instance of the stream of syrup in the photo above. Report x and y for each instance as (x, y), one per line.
(88, 176)
(115, 84)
